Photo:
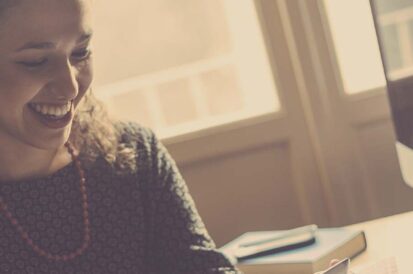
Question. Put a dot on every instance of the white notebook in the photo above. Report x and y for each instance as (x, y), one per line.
(385, 266)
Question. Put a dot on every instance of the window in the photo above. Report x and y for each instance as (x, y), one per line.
(355, 44)
(396, 20)
(184, 65)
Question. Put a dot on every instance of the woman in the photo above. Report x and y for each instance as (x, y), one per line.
(78, 192)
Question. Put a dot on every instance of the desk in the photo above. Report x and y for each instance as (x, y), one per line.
(388, 237)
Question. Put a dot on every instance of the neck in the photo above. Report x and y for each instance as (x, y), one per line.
(22, 161)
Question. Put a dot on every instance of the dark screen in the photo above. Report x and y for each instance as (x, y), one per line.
(394, 25)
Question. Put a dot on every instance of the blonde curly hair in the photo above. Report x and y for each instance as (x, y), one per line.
(95, 135)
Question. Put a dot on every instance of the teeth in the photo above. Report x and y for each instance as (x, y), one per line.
(57, 111)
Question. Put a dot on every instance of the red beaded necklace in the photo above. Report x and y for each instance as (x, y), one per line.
(86, 236)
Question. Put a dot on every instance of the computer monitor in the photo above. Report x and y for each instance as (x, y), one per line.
(394, 26)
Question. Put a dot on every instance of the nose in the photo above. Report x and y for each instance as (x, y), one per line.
(64, 85)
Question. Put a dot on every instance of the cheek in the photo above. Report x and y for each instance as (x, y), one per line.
(85, 79)
(16, 88)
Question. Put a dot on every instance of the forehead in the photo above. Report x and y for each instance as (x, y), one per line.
(45, 20)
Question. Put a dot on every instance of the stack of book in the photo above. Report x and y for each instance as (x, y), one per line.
(304, 250)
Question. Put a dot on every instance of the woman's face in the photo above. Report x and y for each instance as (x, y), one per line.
(45, 70)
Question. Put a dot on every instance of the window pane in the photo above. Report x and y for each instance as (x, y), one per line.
(186, 64)
(356, 46)
(392, 46)
(398, 43)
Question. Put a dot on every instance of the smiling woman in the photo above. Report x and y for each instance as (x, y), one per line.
(80, 192)
(38, 52)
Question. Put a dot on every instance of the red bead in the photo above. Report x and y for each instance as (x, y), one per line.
(86, 237)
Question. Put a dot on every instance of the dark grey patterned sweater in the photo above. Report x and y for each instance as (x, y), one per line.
(143, 222)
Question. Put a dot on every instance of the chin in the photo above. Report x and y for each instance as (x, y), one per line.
(51, 141)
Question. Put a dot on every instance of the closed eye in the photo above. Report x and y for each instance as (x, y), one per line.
(34, 63)
(82, 54)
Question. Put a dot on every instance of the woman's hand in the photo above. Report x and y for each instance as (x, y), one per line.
(333, 262)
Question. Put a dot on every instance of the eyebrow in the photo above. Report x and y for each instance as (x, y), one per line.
(48, 45)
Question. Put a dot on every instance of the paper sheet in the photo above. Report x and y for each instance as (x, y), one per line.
(385, 266)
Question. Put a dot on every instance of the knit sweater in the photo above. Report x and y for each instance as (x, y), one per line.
(144, 221)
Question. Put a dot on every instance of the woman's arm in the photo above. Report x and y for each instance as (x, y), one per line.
(179, 240)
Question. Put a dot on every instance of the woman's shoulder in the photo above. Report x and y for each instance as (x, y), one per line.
(137, 137)
(132, 132)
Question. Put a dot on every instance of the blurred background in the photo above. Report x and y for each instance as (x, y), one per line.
(275, 111)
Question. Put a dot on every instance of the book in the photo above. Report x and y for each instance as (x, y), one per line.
(290, 239)
(331, 243)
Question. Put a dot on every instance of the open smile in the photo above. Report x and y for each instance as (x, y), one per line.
(52, 115)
